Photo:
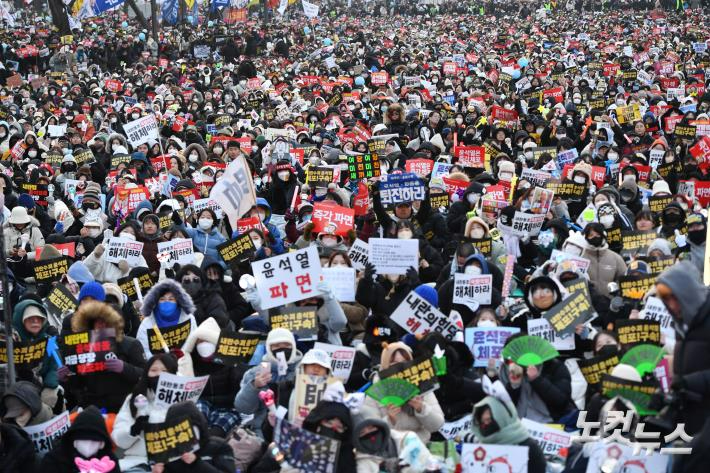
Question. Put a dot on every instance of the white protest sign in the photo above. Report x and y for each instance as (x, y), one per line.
(202, 204)
(119, 249)
(235, 191)
(675, 93)
(417, 316)
(487, 342)
(172, 389)
(655, 309)
(46, 434)
(535, 176)
(550, 440)
(560, 256)
(56, 130)
(287, 278)
(180, 250)
(358, 254)
(341, 359)
(143, 130)
(473, 291)
(394, 256)
(342, 281)
(457, 428)
(527, 224)
(310, 9)
(601, 451)
(542, 328)
(477, 457)
(440, 169)
(656, 157)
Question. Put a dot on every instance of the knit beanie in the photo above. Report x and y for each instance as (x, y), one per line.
(79, 273)
(26, 201)
(94, 290)
(92, 194)
(428, 293)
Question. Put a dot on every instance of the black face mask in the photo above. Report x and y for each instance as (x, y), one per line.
(192, 288)
(372, 443)
(596, 241)
(608, 350)
(330, 433)
(672, 219)
(697, 236)
(152, 382)
(286, 351)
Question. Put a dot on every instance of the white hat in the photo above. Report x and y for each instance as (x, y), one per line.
(316, 357)
(626, 372)
(19, 216)
(660, 186)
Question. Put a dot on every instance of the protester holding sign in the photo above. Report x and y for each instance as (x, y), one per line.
(22, 237)
(111, 272)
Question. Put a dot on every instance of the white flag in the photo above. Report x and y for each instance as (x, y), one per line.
(282, 6)
(310, 9)
(235, 191)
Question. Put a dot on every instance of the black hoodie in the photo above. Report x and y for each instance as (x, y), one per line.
(17, 453)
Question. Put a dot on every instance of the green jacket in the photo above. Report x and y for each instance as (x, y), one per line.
(48, 370)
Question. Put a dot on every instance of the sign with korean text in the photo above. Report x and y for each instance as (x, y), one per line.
(359, 254)
(60, 300)
(50, 270)
(302, 321)
(636, 242)
(332, 218)
(237, 250)
(401, 188)
(363, 166)
(287, 278)
(234, 347)
(119, 249)
(174, 336)
(26, 354)
(342, 282)
(87, 352)
(181, 250)
(320, 176)
(419, 317)
(46, 435)
(167, 441)
(550, 440)
(566, 315)
(594, 368)
(173, 388)
(473, 291)
(145, 282)
(632, 332)
(487, 342)
(634, 287)
(342, 359)
(142, 130)
(420, 372)
(393, 256)
(471, 156)
(542, 328)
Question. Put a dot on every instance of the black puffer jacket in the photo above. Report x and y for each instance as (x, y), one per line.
(17, 453)
(224, 381)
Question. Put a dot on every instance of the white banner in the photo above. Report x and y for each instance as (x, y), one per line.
(417, 316)
(143, 130)
(173, 389)
(393, 256)
(457, 428)
(202, 204)
(551, 440)
(542, 328)
(359, 254)
(341, 359)
(119, 249)
(283, 4)
(46, 434)
(287, 278)
(310, 9)
(473, 291)
(235, 191)
(342, 281)
(180, 249)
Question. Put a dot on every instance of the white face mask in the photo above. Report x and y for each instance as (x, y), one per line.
(613, 157)
(128, 236)
(329, 241)
(607, 220)
(257, 243)
(313, 161)
(478, 233)
(88, 448)
(205, 223)
(32, 153)
(472, 270)
(486, 323)
(206, 349)
(459, 120)
(339, 265)
(217, 150)
(283, 175)
(505, 176)
(579, 179)
(405, 235)
(528, 154)
(193, 157)
(472, 198)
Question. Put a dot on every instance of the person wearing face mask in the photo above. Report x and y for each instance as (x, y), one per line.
(17, 452)
(609, 194)
(458, 211)
(138, 410)
(672, 220)
(109, 388)
(607, 216)
(166, 305)
(279, 193)
(22, 237)
(4, 136)
(694, 251)
(217, 399)
(278, 365)
(196, 154)
(36, 211)
(262, 209)
(477, 229)
(208, 302)
(104, 271)
(265, 244)
(22, 406)
(86, 439)
(605, 265)
(430, 260)
(150, 236)
(206, 237)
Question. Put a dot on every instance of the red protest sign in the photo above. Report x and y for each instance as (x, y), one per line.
(454, 186)
(112, 85)
(701, 150)
(598, 175)
(556, 94)
(332, 218)
(450, 68)
(127, 200)
(702, 192)
(66, 249)
(362, 199)
(245, 144)
(610, 69)
(643, 171)
(503, 114)
(470, 156)
(421, 167)
(161, 162)
(246, 224)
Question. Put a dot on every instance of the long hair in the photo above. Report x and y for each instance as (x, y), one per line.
(141, 387)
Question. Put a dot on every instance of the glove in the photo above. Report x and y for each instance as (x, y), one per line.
(413, 276)
(139, 425)
(680, 239)
(370, 270)
(289, 216)
(252, 297)
(114, 365)
(123, 266)
(63, 372)
(326, 291)
(58, 227)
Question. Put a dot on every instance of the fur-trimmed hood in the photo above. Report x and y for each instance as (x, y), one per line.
(89, 312)
(200, 151)
(119, 137)
(150, 301)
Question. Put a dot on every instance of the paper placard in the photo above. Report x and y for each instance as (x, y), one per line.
(418, 317)
(550, 440)
(477, 457)
(542, 328)
(180, 249)
(173, 388)
(473, 291)
(342, 281)
(287, 278)
(457, 428)
(566, 315)
(234, 347)
(393, 256)
(342, 359)
(167, 441)
(487, 342)
(302, 321)
(174, 336)
(119, 249)
(87, 352)
(359, 254)
(45, 436)
(419, 372)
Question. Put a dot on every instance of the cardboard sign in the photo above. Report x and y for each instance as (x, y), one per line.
(393, 256)
(542, 328)
(173, 388)
(46, 435)
(167, 441)
(342, 281)
(638, 331)
(119, 249)
(181, 250)
(145, 282)
(550, 440)
(359, 254)
(594, 368)
(234, 347)
(319, 176)
(287, 278)
(238, 250)
(418, 317)
(566, 315)
(487, 342)
(363, 166)
(174, 336)
(302, 321)
(86, 352)
(50, 270)
(477, 457)
(26, 354)
(473, 291)
(634, 287)
(419, 372)
(320, 456)
(342, 359)
(401, 188)
(332, 218)
(142, 130)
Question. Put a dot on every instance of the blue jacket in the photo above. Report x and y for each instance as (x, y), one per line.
(277, 247)
(205, 242)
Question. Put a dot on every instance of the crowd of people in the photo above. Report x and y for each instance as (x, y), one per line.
(555, 154)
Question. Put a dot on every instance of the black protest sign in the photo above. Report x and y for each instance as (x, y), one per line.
(87, 352)
(84, 156)
(636, 242)
(53, 158)
(566, 315)
(145, 282)
(60, 300)
(174, 336)
(658, 265)
(664, 170)
(566, 190)
(484, 245)
(25, 354)
(166, 221)
(613, 235)
(659, 202)
(305, 450)
(576, 285)
(234, 347)
(222, 121)
(39, 192)
(637, 331)
(302, 321)
(238, 250)
(439, 200)
(320, 176)
(363, 166)
(634, 287)
(117, 159)
(50, 270)
(594, 368)
(685, 131)
(335, 99)
(376, 146)
(168, 440)
(420, 372)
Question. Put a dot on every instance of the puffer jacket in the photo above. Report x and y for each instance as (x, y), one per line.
(103, 271)
(605, 266)
(13, 237)
(133, 446)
